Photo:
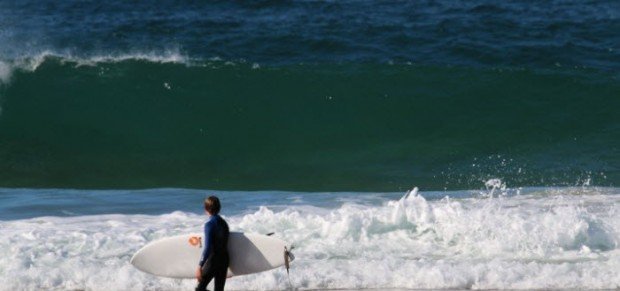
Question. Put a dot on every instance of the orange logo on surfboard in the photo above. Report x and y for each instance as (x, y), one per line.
(195, 241)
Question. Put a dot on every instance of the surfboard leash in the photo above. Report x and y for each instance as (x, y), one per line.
(288, 257)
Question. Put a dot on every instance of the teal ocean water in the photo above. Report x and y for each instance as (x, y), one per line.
(140, 123)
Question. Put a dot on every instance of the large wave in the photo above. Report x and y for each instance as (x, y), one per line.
(142, 122)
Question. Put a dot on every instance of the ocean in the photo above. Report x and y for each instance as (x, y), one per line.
(312, 119)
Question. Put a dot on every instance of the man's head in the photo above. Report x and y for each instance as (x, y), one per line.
(212, 205)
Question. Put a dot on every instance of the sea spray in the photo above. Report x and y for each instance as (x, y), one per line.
(5, 73)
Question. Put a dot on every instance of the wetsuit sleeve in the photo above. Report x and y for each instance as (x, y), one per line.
(206, 250)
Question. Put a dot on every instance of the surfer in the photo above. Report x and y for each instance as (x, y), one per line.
(214, 260)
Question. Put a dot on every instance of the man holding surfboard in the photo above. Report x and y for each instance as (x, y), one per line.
(214, 260)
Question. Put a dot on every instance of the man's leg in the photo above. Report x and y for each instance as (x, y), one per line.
(220, 277)
(207, 275)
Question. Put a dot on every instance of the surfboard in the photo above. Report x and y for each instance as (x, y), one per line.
(178, 256)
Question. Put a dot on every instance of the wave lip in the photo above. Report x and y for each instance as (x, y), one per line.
(30, 62)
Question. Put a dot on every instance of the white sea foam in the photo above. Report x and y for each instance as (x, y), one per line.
(30, 62)
(156, 57)
(26, 63)
(566, 238)
(5, 72)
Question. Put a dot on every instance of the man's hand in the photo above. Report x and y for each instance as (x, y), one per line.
(199, 274)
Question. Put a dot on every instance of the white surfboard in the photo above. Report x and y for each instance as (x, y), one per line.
(178, 256)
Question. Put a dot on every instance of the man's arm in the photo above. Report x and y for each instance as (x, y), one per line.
(206, 250)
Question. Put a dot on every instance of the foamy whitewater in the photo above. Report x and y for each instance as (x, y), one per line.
(524, 238)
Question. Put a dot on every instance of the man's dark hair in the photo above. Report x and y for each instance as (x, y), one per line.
(212, 205)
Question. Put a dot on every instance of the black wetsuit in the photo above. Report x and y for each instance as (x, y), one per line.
(214, 260)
